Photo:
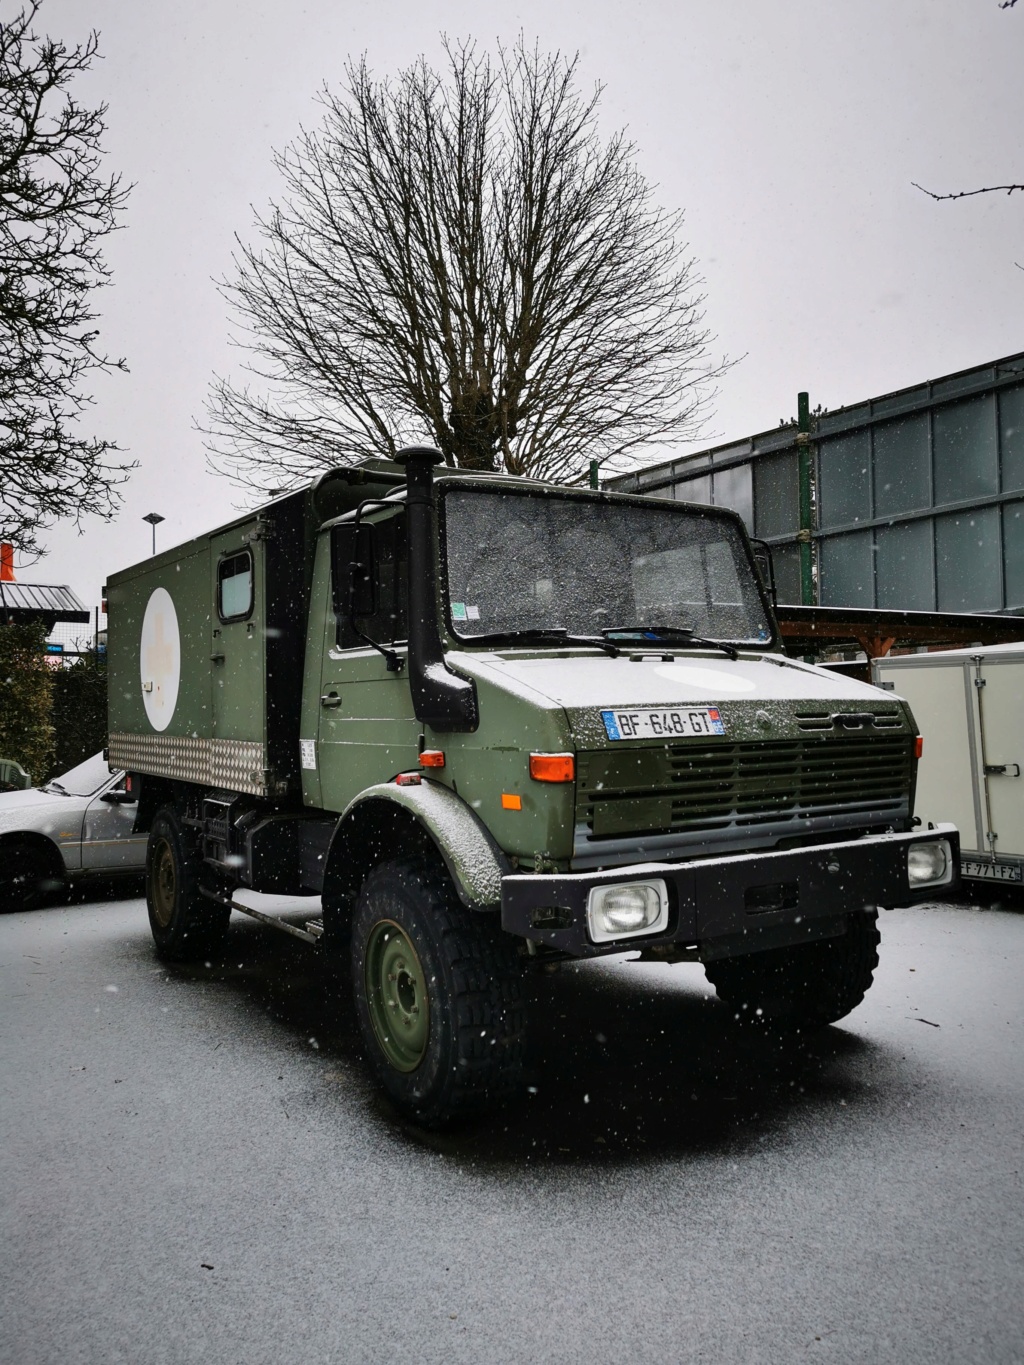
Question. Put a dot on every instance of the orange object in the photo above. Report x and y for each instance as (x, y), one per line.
(6, 563)
(511, 802)
(553, 767)
(408, 780)
(432, 758)
(919, 746)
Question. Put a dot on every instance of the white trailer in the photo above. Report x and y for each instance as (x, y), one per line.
(969, 707)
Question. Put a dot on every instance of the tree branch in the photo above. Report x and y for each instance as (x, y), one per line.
(966, 194)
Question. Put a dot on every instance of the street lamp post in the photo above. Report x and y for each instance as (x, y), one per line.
(154, 519)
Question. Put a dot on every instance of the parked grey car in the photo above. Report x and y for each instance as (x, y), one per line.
(78, 826)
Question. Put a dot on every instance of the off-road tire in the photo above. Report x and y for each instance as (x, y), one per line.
(457, 967)
(810, 985)
(28, 877)
(187, 926)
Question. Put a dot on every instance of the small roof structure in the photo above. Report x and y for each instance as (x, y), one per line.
(24, 603)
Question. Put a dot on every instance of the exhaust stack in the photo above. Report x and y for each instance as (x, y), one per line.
(441, 698)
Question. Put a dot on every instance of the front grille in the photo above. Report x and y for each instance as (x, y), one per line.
(819, 720)
(706, 786)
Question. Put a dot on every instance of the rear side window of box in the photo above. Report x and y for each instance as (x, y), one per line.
(234, 586)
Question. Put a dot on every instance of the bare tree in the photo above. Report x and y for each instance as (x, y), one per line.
(458, 256)
(55, 210)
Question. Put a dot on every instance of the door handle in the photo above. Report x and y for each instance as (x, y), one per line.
(1002, 770)
(330, 701)
(216, 658)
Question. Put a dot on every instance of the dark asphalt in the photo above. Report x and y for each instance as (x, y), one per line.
(195, 1168)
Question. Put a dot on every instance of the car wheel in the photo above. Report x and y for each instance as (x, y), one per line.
(29, 876)
(439, 995)
(810, 985)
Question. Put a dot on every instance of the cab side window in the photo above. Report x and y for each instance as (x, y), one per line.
(235, 586)
(377, 587)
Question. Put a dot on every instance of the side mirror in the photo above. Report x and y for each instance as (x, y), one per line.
(353, 574)
(119, 798)
(765, 565)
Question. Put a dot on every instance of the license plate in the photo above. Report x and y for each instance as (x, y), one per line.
(991, 872)
(675, 724)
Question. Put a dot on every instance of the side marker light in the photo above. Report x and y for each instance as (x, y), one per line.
(432, 758)
(919, 746)
(408, 780)
(553, 767)
(509, 801)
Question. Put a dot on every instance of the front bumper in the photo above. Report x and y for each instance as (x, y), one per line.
(731, 905)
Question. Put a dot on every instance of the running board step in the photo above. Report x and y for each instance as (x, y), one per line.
(308, 935)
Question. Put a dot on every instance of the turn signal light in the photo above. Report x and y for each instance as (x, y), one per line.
(919, 746)
(553, 767)
(432, 758)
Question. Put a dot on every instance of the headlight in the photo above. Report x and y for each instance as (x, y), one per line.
(930, 864)
(627, 909)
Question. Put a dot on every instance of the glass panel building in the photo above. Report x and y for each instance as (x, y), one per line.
(918, 495)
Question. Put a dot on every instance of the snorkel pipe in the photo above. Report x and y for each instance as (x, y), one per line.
(441, 698)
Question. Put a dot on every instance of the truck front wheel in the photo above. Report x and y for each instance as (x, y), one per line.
(439, 995)
(186, 925)
(811, 985)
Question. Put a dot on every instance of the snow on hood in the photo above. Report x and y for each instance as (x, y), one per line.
(579, 681)
(37, 810)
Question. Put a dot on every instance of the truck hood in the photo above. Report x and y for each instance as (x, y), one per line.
(583, 682)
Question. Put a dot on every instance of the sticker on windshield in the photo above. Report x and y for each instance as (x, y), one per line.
(459, 612)
(674, 724)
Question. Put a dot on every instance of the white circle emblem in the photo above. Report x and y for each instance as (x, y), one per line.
(160, 659)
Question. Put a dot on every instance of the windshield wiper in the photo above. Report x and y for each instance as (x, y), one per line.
(56, 787)
(671, 633)
(547, 634)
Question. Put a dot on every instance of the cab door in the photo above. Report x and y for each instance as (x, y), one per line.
(368, 731)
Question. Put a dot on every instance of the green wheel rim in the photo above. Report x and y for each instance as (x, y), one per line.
(163, 883)
(396, 993)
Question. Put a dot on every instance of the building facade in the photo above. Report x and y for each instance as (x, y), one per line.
(918, 495)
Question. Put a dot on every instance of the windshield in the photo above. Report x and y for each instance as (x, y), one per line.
(529, 561)
(84, 780)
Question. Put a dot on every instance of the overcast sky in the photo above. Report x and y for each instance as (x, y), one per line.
(789, 131)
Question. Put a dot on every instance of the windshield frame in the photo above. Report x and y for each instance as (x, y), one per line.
(531, 488)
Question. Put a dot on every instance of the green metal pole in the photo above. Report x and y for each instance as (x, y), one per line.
(803, 443)
(594, 467)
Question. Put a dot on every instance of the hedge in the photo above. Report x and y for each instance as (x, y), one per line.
(26, 699)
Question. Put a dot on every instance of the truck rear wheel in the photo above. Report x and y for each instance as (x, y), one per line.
(439, 995)
(812, 984)
(186, 925)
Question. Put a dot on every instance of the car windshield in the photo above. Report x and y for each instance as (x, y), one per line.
(84, 780)
(527, 561)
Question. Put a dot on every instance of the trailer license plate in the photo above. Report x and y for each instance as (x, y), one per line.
(676, 724)
(991, 872)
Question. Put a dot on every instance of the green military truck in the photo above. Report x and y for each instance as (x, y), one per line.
(496, 723)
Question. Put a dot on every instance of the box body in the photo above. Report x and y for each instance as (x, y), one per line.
(205, 649)
(969, 707)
